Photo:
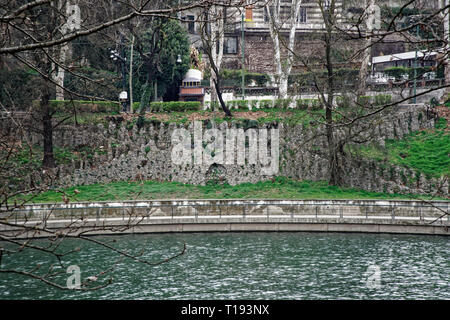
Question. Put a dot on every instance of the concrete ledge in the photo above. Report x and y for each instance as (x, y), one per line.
(170, 216)
(170, 226)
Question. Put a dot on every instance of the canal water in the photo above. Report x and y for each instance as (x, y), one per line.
(250, 266)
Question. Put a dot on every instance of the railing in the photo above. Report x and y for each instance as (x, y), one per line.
(219, 209)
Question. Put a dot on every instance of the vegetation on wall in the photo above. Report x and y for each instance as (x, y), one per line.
(426, 151)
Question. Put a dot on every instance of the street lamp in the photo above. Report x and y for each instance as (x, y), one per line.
(326, 10)
(179, 59)
(243, 55)
(123, 97)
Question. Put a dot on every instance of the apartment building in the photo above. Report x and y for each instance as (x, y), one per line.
(247, 30)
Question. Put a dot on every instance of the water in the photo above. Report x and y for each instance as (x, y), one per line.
(252, 266)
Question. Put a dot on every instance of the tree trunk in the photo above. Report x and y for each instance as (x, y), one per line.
(333, 152)
(131, 74)
(283, 86)
(222, 103)
(49, 160)
(283, 68)
(61, 73)
(217, 43)
(363, 72)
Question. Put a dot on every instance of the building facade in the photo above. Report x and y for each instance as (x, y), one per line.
(247, 31)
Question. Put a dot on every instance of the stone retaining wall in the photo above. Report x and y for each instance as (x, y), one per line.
(121, 153)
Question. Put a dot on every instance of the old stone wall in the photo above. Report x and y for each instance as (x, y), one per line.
(146, 153)
(120, 152)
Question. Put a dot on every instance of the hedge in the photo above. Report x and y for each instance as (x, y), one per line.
(282, 103)
(238, 104)
(175, 106)
(234, 78)
(87, 106)
(382, 99)
(397, 72)
(265, 104)
(311, 104)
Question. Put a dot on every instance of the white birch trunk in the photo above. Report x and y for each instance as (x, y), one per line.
(61, 73)
(217, 42)
(283, 69)
(363, 71)
(71, 24)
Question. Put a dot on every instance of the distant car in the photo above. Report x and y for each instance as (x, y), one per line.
(380, 78)
(390, 79)
(429, 76)
(377, 79)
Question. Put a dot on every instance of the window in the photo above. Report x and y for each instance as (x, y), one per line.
(302, 17)
(230, 45)
(267, 14)
(191, 24)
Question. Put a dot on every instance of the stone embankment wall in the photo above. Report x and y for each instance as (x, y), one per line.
(122, 153)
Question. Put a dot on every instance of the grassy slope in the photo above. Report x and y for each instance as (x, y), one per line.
(279, 188)
(424, 151)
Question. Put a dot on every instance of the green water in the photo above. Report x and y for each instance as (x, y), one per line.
(250, 266)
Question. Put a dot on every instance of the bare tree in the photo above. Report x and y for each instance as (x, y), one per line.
(277, 25)
(348, 117)
(212, 34)
(363, 73)
(36, 35)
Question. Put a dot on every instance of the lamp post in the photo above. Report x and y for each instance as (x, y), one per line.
(115, 56)
(415, 69)
(243, 55)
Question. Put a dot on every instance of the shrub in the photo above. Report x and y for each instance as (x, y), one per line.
(86, 106)
(215, 105)
(232, 104)
(315, 104)
(234, 78)
(254, 104)
(175, 106)
(343, 101)
(282, 103)
(382, 99)
(265, 104)
(156, 107)
(396, 72)
(364, 100)
(260, 78)
(136, 106)
(242, 104)
(302, 104)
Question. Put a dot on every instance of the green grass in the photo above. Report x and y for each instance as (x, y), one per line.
(427, 152)
(278, 188)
